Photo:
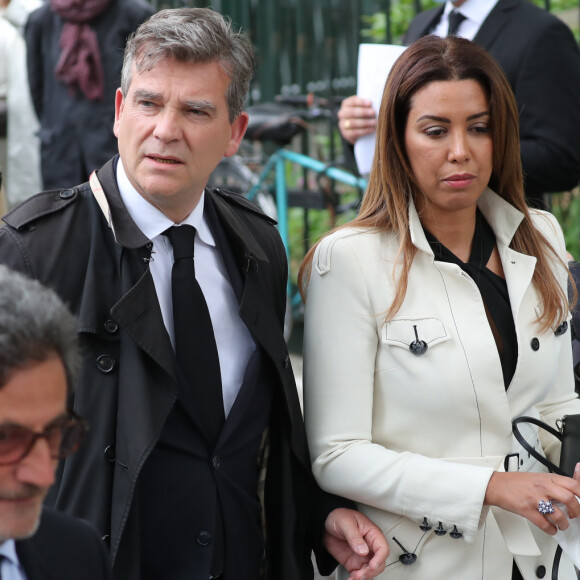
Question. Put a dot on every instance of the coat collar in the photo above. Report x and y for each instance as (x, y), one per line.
(127, 234)
(497, 19)
(503, 218)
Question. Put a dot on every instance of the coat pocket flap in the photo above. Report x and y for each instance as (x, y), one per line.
(403, 331)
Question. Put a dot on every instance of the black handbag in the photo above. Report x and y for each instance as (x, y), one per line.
(568, 434)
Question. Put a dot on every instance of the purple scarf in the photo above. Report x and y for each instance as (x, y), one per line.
(79, 65)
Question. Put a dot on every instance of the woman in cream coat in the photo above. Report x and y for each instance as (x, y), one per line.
(435, 318)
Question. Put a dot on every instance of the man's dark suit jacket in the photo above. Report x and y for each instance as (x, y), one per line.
(63, 548)
(97, 260)
(541, 59)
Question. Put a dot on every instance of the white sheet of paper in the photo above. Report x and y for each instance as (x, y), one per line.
(374, 63)
(570, 539)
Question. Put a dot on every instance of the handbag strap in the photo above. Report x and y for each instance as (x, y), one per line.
(522, 441)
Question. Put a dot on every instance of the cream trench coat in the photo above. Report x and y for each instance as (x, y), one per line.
(414, 439)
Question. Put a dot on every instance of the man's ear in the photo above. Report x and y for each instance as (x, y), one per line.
(239, 127)
(119, 106)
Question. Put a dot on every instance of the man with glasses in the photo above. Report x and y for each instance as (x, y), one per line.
(38, 361)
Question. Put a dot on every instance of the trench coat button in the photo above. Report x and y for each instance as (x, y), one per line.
(540, 571)
(204, 538)
(111, 326)
(216, 462)
(66, 193)
(286, 362)
(109, 453)
(455, 533)
(418, 347)
(105, 363)
(535, 344)
(408, 558)
(107, 539)
(440, 530)
(425, 527)
(561, 329)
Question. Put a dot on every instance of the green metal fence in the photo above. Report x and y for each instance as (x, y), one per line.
(312, 45)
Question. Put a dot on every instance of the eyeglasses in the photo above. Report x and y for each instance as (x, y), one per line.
(63, 437)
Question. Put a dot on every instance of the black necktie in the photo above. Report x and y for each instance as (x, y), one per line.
(195, 345)
(455, 19)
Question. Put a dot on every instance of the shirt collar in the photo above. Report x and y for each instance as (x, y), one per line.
(503, 218)
(8, 550)
(152, 221)
(474, 10)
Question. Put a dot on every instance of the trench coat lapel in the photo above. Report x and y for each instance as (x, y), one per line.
(139, 314)
(138, 310)
(235, 252)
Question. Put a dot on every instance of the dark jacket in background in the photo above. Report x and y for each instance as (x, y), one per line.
(541, 59)
(76, 134)
(63, 548)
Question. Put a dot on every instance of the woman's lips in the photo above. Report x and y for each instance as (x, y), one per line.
(459, 181)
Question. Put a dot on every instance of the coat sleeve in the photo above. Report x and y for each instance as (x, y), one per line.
(562, 398)
(548, 89)
(340, 347)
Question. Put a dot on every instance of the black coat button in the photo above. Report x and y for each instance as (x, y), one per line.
(418, 347)
(561, 329)
(286, 362)
(111, 326)
(109, 453)
(408, 558)
(535, 344)
(105, 363)
(440, 530)
(204, 538)
(216, 462)
(425, 527)
(67, 193)
(107, 539)
(540, 571)
(455, 533)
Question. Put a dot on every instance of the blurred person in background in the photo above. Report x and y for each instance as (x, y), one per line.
(19, 143)
(75, 54)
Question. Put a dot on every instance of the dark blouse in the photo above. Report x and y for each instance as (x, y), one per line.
(493, 289)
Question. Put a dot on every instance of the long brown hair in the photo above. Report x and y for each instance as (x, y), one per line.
(392, 182)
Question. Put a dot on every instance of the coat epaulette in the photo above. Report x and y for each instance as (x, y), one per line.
(243, 202)
(40, 205)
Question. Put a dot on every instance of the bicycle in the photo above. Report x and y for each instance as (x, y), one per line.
(263, 176)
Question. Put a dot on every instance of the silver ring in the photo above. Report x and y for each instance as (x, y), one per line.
(545, 507)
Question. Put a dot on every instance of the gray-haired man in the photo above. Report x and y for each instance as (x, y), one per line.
(38, 362)
(174, 501)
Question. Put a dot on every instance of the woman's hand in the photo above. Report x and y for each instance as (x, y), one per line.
(520, 493)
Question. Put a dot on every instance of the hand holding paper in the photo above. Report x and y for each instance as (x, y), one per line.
(374, 64)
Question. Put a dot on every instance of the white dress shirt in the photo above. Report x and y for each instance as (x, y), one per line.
(10, 568)
(475, 12)
(234, 342)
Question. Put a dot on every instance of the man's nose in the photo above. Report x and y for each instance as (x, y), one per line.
(167, 126)
(37, 467)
